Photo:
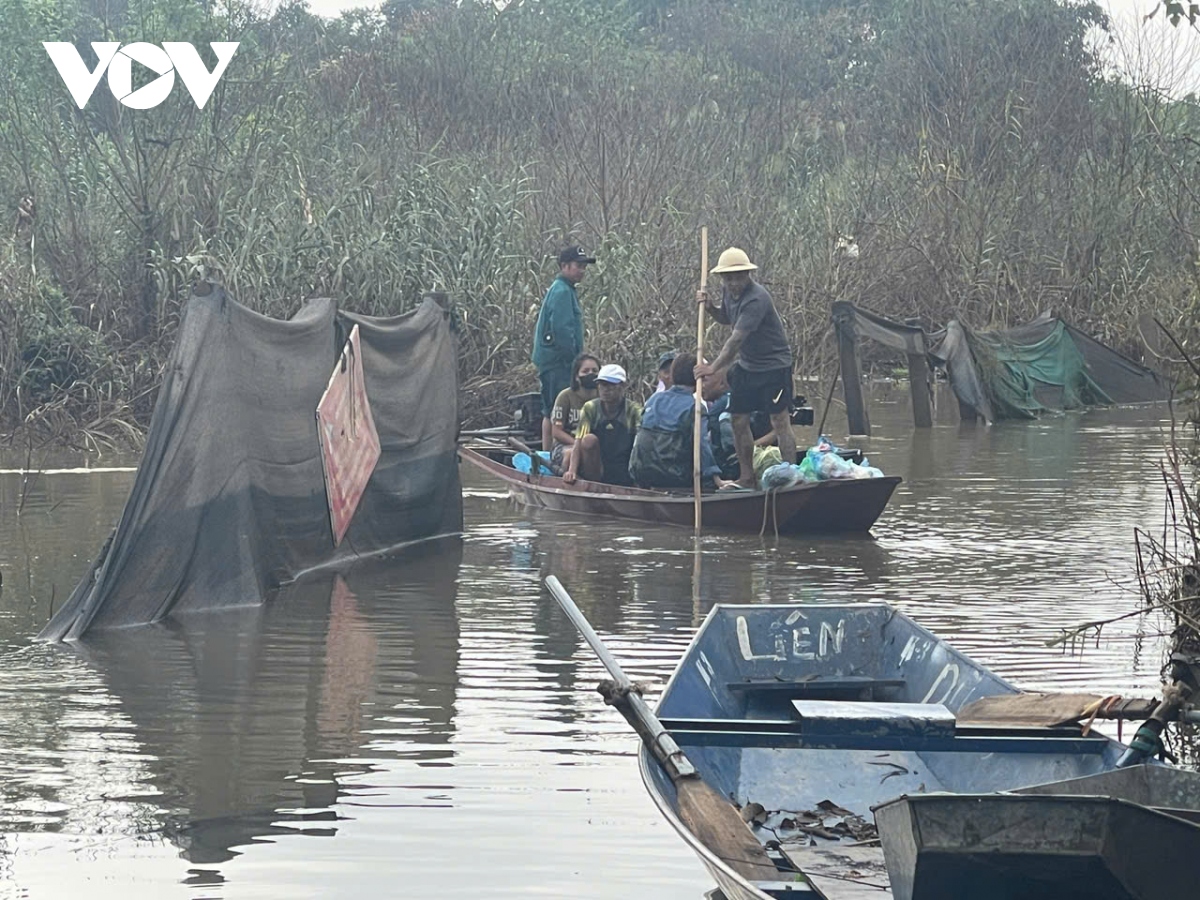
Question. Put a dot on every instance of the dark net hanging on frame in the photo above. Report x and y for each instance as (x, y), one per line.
(229, 501)
(1019, 372)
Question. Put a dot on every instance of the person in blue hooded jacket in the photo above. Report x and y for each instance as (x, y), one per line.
(662, 455)
(558, 338)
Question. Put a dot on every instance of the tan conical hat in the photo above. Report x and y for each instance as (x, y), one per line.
(733, 260)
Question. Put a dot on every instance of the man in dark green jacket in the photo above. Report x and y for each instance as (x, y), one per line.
(559, 335)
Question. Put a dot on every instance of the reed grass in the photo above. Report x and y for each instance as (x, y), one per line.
(456, 147)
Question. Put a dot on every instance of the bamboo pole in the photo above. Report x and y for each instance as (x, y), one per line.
(699, 416)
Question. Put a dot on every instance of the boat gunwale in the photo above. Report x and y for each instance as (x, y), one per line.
(646, 759)
(710, 860)
(647, 495)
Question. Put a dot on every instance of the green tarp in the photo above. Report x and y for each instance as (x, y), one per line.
(1021, 372)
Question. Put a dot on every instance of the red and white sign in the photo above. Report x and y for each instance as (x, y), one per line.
(349, 441)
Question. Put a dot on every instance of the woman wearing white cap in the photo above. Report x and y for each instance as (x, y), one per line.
(607, 426)
(758, 357)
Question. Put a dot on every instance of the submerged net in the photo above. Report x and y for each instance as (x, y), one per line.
(229, 499)
(1031, 369)
(1040, 366)
(1021, 372)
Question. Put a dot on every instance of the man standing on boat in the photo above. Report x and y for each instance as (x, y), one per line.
(607, 427)
(758, 357)
(558, 338)
(719, 423)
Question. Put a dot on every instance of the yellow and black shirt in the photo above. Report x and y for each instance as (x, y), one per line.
(616, 435)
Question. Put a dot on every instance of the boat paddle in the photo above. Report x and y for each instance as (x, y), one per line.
(1147, 742)
(699, 416)
(536, 457)
(715, 822)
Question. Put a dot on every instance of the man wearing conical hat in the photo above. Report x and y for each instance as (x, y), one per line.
(757, 356)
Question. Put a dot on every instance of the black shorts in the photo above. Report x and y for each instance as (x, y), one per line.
(769, 392)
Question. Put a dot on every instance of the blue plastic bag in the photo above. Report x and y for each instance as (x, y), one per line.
(522, 463)
(780, 476)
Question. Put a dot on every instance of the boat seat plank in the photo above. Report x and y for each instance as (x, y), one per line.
(1047, 710)
(786, 890)
(843, 871)
(870, 717)
(813, 687)
(790, 733)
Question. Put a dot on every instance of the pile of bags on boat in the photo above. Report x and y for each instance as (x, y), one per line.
(822, 462)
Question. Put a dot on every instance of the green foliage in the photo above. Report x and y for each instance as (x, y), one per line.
(51, 363)
(57, 352)
(972, 148)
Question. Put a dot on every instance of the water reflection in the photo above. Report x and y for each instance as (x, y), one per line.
(252, 721)
(432, 722)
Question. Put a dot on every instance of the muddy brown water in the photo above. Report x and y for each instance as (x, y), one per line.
(427, 727)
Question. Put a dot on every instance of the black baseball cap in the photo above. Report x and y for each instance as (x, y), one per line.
(574, 255)
(667, 358)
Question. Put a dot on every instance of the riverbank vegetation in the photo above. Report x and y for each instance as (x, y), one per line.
(967, 159)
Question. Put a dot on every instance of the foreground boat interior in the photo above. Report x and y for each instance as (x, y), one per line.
(844, 734)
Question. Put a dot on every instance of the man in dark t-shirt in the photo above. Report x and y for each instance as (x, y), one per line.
(757, 355)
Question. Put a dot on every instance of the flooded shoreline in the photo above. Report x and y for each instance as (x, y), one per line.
(431, 722)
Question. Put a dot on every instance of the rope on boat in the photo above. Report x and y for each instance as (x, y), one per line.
(615, 694)
(1098, 708)
(773, 503)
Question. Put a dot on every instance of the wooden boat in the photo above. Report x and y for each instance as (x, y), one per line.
(849, 505)
(812, 717)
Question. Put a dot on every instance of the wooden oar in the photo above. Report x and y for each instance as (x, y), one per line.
(699, 417)
(1147, 743)
(707, 815)
(535, 456)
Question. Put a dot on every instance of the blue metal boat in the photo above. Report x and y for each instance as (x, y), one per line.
(810, 717)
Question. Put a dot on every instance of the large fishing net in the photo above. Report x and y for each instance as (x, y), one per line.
(229, 501)
(1021, 372)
